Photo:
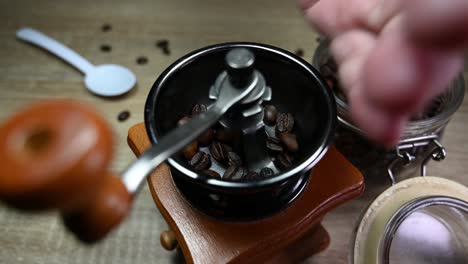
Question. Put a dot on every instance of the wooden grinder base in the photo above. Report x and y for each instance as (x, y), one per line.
(286, 237)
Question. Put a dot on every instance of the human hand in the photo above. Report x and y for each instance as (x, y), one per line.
(394, 56)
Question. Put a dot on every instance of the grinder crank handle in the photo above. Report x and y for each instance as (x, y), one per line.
(134, 176)
(56, 154)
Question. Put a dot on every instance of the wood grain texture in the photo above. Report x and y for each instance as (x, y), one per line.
(27, 74)
(204, 239)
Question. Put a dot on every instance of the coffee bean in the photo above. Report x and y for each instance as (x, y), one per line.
(234, 173)
(106, 48)
(183, 121)
(234, 159)
(289, 141)
(206, 137)
(219, 152)
(436, 106)
(106, 28)
(201, 161)
(124, 115)
(266, 172)
(269, 115)
(274, 145)
(283, 161)
(190, 150)
(163, 43)
(164, 46)
(230, 171)
(198, 109)
(212, 174)
(284, 122)
(252, 176)
(227, 148)
(299, 52)
(166, 51)
(141, 60)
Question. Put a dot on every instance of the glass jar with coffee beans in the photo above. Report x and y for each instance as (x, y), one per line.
(217, 152)
(420, 141)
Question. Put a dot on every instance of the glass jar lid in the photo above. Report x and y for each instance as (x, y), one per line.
(431, 229)
(395, 226)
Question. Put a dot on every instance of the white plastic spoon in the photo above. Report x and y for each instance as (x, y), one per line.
(103, 80)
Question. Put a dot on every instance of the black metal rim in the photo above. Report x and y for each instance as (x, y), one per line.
(325, 139)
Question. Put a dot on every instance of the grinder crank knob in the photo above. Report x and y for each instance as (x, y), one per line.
(55, 155)
(239, 62)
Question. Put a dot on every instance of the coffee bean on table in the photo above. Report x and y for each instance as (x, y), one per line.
(212, 173)
(190, 150)
(284, 122)
(124, 115)
(299, 52)
(252, 176)
(274, 145)
(269, 115)
(218, 151)
(166, 51)
(201, 161)
(206, 137)
(106, 48)
(106, 28)
(289, 141)
(141, 60)
(234, 173)
(283, 161)
(234, 159)
(198, 109)
(163, 44)
(266, 172)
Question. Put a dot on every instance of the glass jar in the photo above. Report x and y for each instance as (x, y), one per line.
(419, 143)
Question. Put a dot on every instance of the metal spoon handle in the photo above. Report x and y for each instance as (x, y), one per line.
(37, 38)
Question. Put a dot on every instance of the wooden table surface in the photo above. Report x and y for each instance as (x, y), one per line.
(27, 74)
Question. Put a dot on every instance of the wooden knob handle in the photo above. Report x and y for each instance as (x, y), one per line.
(55, 155)
(168, 240)
(108, 208)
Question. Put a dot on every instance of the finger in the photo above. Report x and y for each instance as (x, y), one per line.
(322, 16)
(402, 77)
(379, 125)
(306, 4)
(437, 23)
(351, 50)
(384, 12)
(332, 17)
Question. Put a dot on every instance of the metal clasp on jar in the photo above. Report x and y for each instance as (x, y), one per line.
(406, 147)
